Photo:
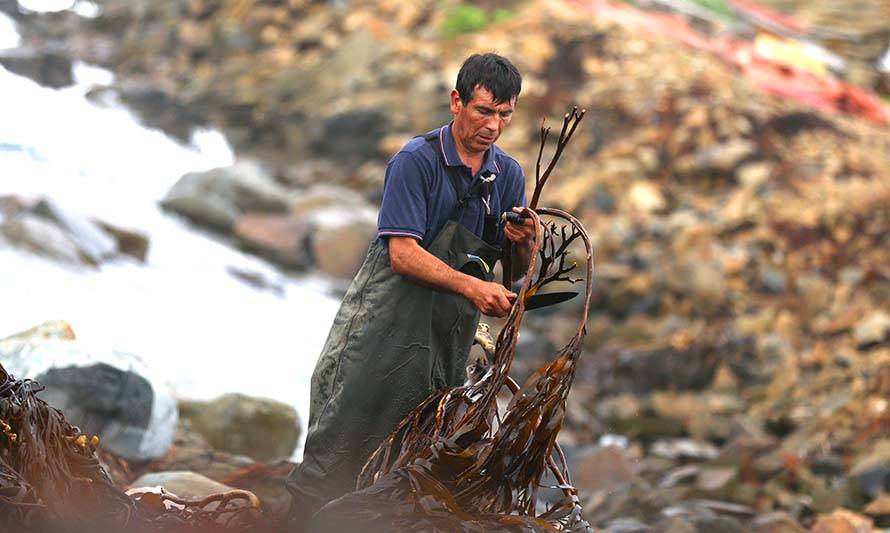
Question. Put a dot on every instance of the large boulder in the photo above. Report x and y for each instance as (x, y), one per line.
(110, 394)
(280, 238)
(46, 67)
(235, 423)
(217, 197)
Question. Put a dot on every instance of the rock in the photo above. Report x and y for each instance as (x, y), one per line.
(772, 280)
(352, 136)
(94, 244)
(322, 195)
(873, 329)
(234, 423)
(110, 394)
(185, 484)
(602, 469)
(340, 239)
(46, 67)
(871, 469)
(684, 448)
(776, 522)
(217, 197)
(646, 197)
(626, 525)
(842, 521)
(879, 507)
(38, 235)
(716, 479)
(754, 174)
(53, 329)
(280, 238)
(130, 242)
(827, 466)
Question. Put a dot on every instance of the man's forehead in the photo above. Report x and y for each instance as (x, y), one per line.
(481, 95)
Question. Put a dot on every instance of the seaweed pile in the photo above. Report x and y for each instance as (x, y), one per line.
(51, 480)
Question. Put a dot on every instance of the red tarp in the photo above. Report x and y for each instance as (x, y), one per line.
(824, 92)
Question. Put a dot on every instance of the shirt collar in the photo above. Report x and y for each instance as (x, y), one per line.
(452, 158)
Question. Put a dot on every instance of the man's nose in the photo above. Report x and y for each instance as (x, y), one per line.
(493, 123)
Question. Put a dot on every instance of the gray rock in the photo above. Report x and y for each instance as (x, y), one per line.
(38, 235)
(353, 136)
(46, 67)
(113, 395)
(772, 280)
(684, 448)
(259, 428)
(627, 525)
(217, 197)
(95, 244)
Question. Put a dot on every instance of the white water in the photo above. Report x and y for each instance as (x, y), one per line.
(182, 312)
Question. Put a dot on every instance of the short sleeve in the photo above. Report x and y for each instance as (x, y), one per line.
(405, 191)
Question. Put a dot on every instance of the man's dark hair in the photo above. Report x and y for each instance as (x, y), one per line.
(495, 73)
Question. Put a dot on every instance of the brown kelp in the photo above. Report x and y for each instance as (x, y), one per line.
(52, 480)
(456, 463)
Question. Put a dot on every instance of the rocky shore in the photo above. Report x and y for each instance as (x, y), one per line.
(736, 375)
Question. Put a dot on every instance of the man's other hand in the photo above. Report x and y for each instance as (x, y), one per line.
(491, 299)
(521, 234)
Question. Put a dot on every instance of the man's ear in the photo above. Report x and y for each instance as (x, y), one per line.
(456, 104)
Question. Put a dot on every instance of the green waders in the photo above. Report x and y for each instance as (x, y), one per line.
(393, 343)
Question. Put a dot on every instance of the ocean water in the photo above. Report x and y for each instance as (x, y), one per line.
(182, 312)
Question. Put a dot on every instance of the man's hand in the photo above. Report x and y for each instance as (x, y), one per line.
(409, 259)
(492, 299)
(520, 234)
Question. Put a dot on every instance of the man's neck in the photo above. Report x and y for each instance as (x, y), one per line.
(471, 159)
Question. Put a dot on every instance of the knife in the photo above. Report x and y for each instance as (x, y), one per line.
(537, 301)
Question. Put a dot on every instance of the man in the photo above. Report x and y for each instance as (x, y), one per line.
(408, 320)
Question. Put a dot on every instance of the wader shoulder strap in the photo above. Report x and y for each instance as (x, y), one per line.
(478, 189)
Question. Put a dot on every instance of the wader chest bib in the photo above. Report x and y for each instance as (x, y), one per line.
(393, 343)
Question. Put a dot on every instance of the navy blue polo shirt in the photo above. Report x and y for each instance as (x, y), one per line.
(418, 197)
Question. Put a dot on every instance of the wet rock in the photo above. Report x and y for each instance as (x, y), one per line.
(129, 242)
(216, 198)
(53, 329)
(340, 239)
(93, 243)
(48, 68)
(235, 423)
(113, 395)
(280, 238)
(828, 466)
(38, 235)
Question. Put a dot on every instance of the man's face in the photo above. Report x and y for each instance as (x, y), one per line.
(479, 122)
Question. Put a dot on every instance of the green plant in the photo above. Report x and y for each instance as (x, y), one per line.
(464, 19)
